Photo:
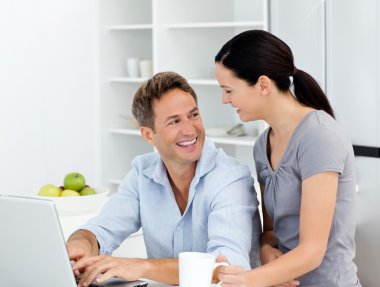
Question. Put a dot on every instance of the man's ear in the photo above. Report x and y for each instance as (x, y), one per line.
(147, 134)
(265, 85)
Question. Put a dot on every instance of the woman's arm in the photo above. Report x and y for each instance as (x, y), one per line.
(317, 210)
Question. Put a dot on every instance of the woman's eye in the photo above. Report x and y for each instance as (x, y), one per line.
(227, 91)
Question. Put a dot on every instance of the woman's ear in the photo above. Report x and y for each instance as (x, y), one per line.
(265, 85)
(147, 134)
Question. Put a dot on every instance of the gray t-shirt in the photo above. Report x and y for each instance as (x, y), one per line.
(317, 145)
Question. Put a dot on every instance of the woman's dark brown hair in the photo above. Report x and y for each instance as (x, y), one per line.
(254, 53)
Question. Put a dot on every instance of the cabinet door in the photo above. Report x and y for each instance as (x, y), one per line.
(352, 68)
(301, 25)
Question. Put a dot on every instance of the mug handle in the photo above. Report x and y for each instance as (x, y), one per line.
(217, 265)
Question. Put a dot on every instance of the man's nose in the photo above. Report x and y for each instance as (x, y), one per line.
(188, 127)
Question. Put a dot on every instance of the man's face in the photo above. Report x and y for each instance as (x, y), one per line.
(179, 133)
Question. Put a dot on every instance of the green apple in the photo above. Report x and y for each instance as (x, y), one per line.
(87, 191)
(49, 190)
(69, 192)
(74, 181)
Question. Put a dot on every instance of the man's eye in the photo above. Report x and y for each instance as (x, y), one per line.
(194, 115)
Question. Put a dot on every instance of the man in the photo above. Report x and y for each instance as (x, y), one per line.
(187, 197)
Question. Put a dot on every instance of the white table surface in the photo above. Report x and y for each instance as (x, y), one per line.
(157, 284)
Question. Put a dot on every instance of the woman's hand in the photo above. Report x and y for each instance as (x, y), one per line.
(233, 276)
(236, 276)
(102, 268)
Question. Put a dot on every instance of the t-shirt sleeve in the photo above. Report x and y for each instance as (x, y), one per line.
(321, 150)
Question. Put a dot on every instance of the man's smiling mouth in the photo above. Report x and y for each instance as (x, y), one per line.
(187, 143)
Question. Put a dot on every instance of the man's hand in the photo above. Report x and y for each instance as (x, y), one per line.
(102, 268)
(268, 254)
(81, 244)
(78, 249)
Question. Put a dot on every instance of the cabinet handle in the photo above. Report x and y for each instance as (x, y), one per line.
(369, 151)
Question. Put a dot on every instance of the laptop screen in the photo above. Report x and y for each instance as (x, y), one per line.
(32, 247)
(32, 250)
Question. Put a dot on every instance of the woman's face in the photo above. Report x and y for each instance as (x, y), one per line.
(239, 94)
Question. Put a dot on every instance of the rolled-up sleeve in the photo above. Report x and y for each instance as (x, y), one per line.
(231, 222)
(119, 217)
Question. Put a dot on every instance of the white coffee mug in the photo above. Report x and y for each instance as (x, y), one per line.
(133, 67)
(196, 269)
(146, 69)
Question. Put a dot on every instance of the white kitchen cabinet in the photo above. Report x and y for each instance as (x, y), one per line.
(181, 36)
(176, 35)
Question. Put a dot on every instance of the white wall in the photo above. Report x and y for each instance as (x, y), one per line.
(48, 93)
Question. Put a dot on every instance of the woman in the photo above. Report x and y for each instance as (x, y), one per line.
(304, 164)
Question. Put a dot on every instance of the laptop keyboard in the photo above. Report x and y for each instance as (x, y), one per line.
(116, 282)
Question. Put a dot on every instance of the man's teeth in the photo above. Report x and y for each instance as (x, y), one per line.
(188, 143)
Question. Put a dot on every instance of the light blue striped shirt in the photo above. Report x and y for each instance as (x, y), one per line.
(221, 210)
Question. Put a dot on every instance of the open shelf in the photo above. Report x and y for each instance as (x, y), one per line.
(203, 82)
(127, 80)
(185, 43)
(200, 82)
(130, 27)
(251, 24)
(229, 140)
(131, 132)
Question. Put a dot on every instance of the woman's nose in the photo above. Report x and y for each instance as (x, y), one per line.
(225, 98)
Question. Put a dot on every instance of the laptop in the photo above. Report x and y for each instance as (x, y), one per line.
(32, 247)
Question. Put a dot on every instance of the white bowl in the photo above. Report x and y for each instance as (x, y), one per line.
(78, 205)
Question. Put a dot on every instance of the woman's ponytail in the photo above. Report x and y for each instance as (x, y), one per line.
(309, 93)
